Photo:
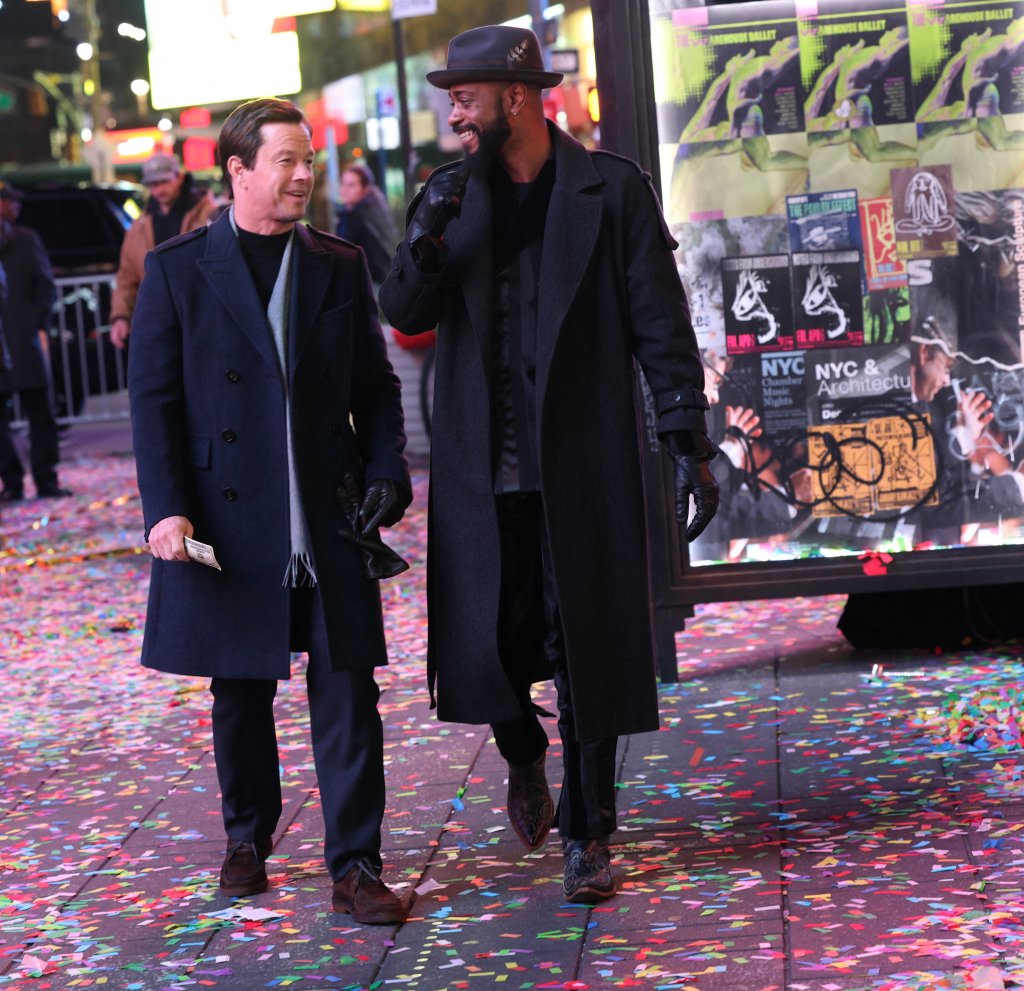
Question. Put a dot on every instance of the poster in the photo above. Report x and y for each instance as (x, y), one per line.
(859, 105)
(846, 183)
(758, 307)
(730, 109)
(923, 206)
(827, 303)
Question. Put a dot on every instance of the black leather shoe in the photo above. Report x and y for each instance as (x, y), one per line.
(530, 808)
(11, 495)
(587, 876)
(363, 895)
(52, 492)
(242, 872)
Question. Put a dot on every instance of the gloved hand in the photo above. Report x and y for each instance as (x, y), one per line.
(441, 202)
(381, 506)
(693, 477)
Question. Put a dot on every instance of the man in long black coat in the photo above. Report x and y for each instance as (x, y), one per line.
(556, 273)
(261, 395)
(31, 292)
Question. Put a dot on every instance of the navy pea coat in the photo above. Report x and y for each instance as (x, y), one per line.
(208, 421)
(609, 292)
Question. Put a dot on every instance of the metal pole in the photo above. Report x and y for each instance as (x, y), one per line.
(404, 134)
(537, 16)
(102, 167)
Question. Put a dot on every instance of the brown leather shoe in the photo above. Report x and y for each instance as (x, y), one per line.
(242, 872)
(367, 898)
(530, 808)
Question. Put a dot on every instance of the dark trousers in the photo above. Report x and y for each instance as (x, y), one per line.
(530, 631)
(348, 748)
(43, 443)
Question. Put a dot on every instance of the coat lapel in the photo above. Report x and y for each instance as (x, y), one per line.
(570, 237)
(224, 269)
(311, 273)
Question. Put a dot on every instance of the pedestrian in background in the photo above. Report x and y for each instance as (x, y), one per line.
(26, 320)
(364, 218)
(176, 205)
(261, 395)
(546, 269)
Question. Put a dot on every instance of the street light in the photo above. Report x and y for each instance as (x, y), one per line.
(140, 87)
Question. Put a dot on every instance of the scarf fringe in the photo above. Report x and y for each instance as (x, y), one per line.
(299, 573)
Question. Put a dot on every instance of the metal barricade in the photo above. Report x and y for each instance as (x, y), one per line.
(87, 373)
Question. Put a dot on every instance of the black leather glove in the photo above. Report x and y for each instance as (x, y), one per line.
(382, 505)
(441, 202)
(693, 477)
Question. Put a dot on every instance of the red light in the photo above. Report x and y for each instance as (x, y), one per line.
(194, 117)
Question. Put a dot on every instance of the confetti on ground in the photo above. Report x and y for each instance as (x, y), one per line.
(808, 818)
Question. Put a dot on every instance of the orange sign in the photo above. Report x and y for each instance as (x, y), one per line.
(138, 144)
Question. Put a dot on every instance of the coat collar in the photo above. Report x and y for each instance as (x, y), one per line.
(223, 266)
(570, 239)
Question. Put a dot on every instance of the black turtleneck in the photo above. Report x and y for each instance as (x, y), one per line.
(263, 254)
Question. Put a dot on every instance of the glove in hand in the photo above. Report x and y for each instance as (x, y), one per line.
(693, 477)
(441, 203)
(381, 506)
(379, 560)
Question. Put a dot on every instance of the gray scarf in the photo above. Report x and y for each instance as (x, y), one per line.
(300, 562)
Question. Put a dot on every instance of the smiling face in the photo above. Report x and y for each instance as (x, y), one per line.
(272, 195)
(479, 118)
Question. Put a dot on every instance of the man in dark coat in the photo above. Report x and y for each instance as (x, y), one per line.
(557, 272)
(31, 292)
(261, 396)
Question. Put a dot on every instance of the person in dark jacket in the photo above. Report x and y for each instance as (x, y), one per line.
(262, 400)
(30, 296)
(364, 218)
(546, 269)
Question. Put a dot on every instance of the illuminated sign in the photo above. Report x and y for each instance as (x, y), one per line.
(136, 145)
(199, 154)
(194, 117)
(202, 52)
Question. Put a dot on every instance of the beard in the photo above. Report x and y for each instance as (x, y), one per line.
(489, 141)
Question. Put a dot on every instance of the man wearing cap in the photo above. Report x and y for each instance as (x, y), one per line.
(546, 269)
(26, 320)
(176, 206)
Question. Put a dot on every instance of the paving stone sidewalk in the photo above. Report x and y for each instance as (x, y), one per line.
(809, 817)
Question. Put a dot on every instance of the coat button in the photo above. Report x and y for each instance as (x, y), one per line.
(231, 375)
(229, 436)
(230, 494)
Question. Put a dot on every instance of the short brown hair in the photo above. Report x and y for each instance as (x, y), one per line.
(242, 134)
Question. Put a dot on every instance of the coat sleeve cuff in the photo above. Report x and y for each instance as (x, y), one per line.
(681, 398)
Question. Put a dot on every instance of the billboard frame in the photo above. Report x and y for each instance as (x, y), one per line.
(622, 42)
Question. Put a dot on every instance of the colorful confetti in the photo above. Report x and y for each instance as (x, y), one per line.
(809, 817)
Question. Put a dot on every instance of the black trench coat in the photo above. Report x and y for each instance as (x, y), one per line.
(609, 290)
(208, 422)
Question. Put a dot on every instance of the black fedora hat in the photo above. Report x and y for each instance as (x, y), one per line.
(495, 53)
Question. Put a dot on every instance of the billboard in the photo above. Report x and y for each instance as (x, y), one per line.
(845, 179)
(202, 52)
